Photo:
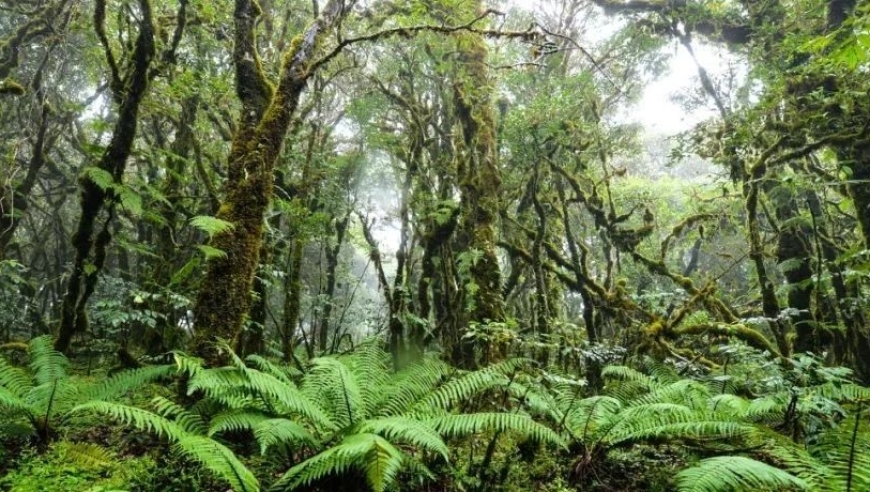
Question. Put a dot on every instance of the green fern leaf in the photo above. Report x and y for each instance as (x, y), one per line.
(211, 225)
(208, 452)
(464, 387)
(383, 463)
(13, 404)
(588, 415)
(126, 381)
(409, 386)
(369, 453)
(736, 474)
(333, 382)
(189, 421)
(406, 430)
(14, 379)
(46, 364)
(136, 417)
(234, 421)
(220, 461)
(473, 423)
(86, 454)
(270, 432)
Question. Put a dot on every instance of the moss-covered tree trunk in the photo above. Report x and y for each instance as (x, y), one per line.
(794, 252)
(92, 236)
(224, 299)
(480, 183)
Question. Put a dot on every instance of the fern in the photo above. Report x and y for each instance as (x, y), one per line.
(126, 381)
(270, 432)
(332, 381)
(211, 454)
(349, 409)
(46, 364)
(467, 385)
(399, 394)
(468, 424)
(405, 430)
(737, 474)
(86, 454)
(211, 225)
(369, 453)
(43, 394)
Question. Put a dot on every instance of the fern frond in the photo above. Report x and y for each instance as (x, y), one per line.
(86, 454)
(636, 419)
(729, 404)
(409, 385)
(52, 398)
(588, 415)
(686, 392)
(12, 404)
(234, 421)
(537, 402)
(698, 431)
(15, 379)
(136, 417)
(189, 421)
(383, 463)
(462, 388)
(219, 460)
(211, 454)
(406, 430)
(369, 453)
(46, 364)
(269, 432)
(799, 462)
(332, 382)
(370, 364)
(625, 373)
(737, 474)
(290, 397)
(126, 381)
(187, 364)
(845, 450)
(215, 380)
(226, 383)
(473, 423)
(768, 409)
(843, 392)
(659, 371)
(283, 372)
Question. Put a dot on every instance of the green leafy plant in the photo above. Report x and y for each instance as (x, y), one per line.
(69, 466)
(39, 399)
(347, 414)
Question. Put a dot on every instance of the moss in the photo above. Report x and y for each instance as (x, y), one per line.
(15, 346)
(9, 87)
(751, 337)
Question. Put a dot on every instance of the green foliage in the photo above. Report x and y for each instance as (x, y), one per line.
(43, 395)
(212, 454)
(211, 225)
(346, 413)
(69, 466)
(736, 473)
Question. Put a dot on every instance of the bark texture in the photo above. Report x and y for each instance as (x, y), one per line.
(224, 300)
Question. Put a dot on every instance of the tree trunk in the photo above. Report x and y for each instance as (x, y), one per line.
(480, 184)
(92, 235)
(224, 299)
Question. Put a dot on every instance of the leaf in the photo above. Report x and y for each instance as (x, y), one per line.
(131, 201)
(736, 474)
(211, 252)
(100, 177)
(211, 225)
